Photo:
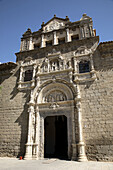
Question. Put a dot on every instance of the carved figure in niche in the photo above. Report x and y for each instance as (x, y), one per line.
(45, 65)
(50, 98)
(60, 97)
(61, 65)
(86, 31)
(55, 96)
(45, 68)
(54, 65)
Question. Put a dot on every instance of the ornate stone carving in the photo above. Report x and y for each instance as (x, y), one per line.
(53, 64)
(54, 106)
(53, 25)
(55, 96)
(82, 51)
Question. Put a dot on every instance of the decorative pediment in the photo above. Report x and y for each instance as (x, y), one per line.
(54, 24)
(28, 61)
(82, 51)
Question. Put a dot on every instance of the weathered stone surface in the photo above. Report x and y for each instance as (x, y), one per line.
(57, 88)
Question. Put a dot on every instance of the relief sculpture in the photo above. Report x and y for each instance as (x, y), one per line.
(55, 96)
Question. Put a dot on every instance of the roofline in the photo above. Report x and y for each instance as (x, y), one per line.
(63, 19)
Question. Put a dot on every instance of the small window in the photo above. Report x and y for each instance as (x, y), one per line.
(61, 41)
(84, 67)
(36, 46)
(75, 37)
(48, 43)
(28, 75)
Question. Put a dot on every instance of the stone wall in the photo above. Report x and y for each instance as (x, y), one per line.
(97, 110)
(13, 114)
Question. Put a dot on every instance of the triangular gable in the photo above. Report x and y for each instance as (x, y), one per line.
(54, 24)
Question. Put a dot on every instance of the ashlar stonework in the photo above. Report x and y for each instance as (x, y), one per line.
(57, 99)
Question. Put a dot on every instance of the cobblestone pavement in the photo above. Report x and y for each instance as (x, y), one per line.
(52, 164)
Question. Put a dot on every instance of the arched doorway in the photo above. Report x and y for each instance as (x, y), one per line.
(55, 137)
(53, 103)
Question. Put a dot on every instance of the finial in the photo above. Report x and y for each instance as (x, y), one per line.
(54, 15)
(84, 14)
(28, 29)
(67, 18)
(42, 24)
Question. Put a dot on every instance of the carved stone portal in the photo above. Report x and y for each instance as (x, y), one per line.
(55, 96)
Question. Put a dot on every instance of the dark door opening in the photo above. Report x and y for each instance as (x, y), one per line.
(55, 145)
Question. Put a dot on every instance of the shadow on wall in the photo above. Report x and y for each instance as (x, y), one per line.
(19, 134)
(23, 122)
(99, 149)
(103, 58)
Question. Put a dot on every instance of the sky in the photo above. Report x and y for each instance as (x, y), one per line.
(16, 16)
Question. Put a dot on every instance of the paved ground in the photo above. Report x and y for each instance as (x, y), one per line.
(52, 164)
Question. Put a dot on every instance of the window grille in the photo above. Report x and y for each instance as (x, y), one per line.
(84, 67)
(28, 75)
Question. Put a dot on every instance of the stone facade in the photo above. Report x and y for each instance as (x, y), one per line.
(57, 98)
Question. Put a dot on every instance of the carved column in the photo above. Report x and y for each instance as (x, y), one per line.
(20, 79)
(37, 135)
(75, 69)
(92, 67)
(82, 33)
(54, 38)
(42, 41)
(91, 61)
(28, 154)
(74, 146)
(33, 79)
(67, 34)
(70, 73)
(81, 145)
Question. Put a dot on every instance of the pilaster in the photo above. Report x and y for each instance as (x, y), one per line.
(33, 79)
(37, 135)
(54, 38)
(20, 79)
(81, 145)
(42, 40)
(82, 33)
(67, 34)
(30, 44)
(29, 144)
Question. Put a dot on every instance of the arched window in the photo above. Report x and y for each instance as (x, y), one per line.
(84, 67)
(28, 75)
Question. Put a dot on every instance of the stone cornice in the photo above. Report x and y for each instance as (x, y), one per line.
(54, 72)
(57, 47)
